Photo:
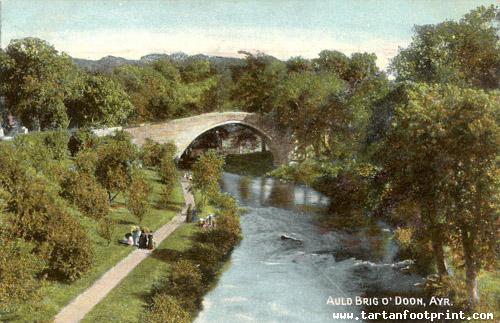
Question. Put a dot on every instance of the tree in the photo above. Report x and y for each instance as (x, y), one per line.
(106, 228)
(255, 82)
(83, 190)
(37, 80)
(114, 165)
(465, 53)
(207, 171)
(333, 62)
(102, 102)
(441, 153)
(305, 106)
(138, 196)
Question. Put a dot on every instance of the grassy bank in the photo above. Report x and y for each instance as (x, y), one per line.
(126, 302)
(254, 164)
(57, 295)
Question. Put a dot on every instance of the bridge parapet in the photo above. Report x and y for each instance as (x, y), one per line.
(184, 131)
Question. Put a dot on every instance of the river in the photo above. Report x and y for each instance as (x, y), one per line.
(269, 279)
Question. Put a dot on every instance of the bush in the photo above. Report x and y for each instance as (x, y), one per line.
(19, 270)
(86, 194)
(165, 309)
(70, 252)
(184, 284)
(57, 143)
(86, 161)
(207, 256)
(39, 147)
(106, 228)
(82, 139)
(38, 214)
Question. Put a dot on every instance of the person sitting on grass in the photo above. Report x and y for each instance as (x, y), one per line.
(128, 240)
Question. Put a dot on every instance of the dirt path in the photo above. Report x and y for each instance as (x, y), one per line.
(83, 303)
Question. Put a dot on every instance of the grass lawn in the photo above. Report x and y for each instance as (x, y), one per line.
(57, 295)
(126, 302)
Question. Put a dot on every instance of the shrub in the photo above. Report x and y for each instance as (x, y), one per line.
(82, 139)
(207, 256)
(39, 147)
(70, 252)
(38, 214)
(86, 161)
(165, 309)
(138, 196)
(106, 228)
(184, 284)
(19, 270)
(86, 194)
(57, 143)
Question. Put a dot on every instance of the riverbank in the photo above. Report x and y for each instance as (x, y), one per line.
(253, 164)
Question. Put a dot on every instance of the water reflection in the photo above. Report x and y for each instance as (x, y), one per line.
(275, 280)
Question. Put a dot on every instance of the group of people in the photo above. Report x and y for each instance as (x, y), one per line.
(139, 237)
(208, 222)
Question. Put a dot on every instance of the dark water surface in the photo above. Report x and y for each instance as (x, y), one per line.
(273, 280)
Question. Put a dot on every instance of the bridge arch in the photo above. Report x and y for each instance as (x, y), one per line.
(185, 130)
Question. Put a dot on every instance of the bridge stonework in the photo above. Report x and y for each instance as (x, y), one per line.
(184, 131)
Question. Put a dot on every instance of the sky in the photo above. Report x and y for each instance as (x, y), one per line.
(96, 28)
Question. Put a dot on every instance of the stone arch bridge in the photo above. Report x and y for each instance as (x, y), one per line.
(184, 131)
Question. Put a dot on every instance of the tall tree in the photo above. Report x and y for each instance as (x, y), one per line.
(102, 102)
(466, 52)
(255, 82)
(441, 152)
(37, 80)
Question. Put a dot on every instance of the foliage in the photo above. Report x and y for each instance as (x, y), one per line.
(106, 228)
(184, 284)
(256, 82)
(101, 102)
(167, 168)
(40, 148)
(37, 214)
(207, 171)
(84, 191)
(70, 252)
(163, 309)
(82, 139)
(114, 165)
(206, 257)
(441, 153)
(86, 161)
(465, 53)
(138, 196)
(19, 274)
(37, 81)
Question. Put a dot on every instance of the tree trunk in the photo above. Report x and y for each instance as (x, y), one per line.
(471, 269)
(437, 246)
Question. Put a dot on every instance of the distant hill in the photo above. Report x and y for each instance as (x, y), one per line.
(108, 63)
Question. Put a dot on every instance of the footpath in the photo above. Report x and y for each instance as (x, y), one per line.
(83, 303)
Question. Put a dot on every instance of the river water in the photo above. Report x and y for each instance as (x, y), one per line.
(270, 279)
